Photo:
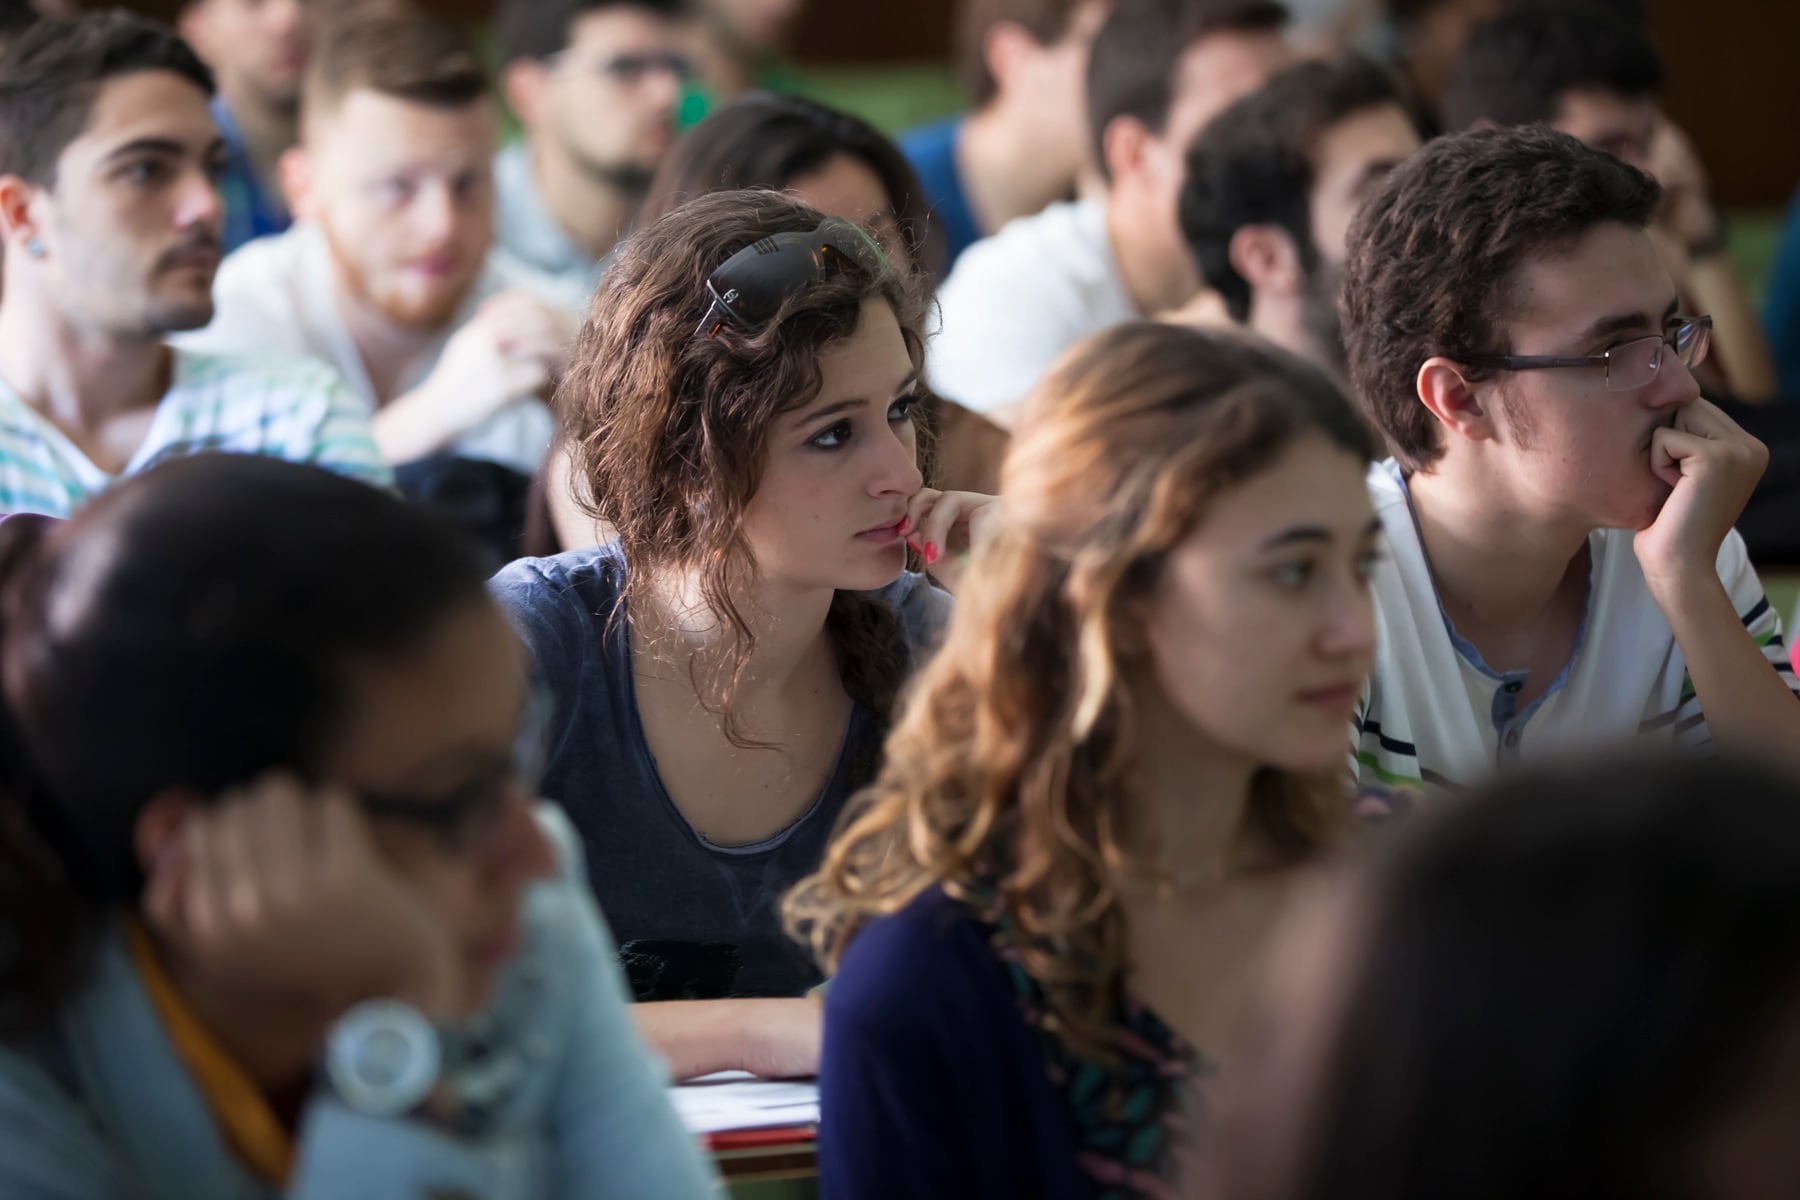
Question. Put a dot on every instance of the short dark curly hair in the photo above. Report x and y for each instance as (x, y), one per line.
(1254, 163)
(1431, 253)
(1516, 68)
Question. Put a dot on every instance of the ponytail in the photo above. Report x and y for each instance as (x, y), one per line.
(46, 932)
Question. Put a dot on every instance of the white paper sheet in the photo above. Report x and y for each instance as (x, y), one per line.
(732, 1100)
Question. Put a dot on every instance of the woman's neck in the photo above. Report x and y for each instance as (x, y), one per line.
(679, 629)
(1190, 799)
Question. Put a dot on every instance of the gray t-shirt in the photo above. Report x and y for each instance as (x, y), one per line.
(694, 920)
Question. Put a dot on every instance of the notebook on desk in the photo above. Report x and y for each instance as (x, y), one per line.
(734, 1109)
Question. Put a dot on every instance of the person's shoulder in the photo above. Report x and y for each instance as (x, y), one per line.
(585, 581)
(927, 964)
(1020, 248)
(264, 375)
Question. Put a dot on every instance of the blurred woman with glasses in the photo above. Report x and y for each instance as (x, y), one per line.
(740, 411)
(280, 917)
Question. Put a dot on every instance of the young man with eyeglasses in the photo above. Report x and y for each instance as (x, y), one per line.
(1562, 570)
(596, 85)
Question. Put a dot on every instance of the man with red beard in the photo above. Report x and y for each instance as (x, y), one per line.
(385, 274)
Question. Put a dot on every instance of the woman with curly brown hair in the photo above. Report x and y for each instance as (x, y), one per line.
(740, 411)
(1105, 788)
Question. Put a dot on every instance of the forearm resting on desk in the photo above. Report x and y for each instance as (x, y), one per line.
(776, 1037)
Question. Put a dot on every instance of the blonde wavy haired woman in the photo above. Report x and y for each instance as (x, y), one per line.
(1105, 789)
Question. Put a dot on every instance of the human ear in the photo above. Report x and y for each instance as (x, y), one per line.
(1005, 48)
(1124, 146)
(1267, 259)
(296, 169)
(523, 82)
(18, 223)
(1444, 389)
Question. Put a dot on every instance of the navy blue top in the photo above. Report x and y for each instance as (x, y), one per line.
(932, 1084)
(932, 151)
(695, 920)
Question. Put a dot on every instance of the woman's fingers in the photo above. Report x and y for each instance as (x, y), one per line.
(948, 524)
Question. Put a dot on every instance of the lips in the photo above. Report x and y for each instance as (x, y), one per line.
(193, 260)
(883, 534)
(1338, 697)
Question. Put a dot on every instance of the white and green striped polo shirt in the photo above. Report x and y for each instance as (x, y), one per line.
(289, 408)
(1434, 715)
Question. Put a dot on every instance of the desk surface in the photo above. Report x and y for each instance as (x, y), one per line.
(780, 1172)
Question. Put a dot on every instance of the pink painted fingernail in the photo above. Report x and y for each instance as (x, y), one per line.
(905, 524)
(931, 553)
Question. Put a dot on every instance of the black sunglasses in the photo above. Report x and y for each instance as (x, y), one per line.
(748, 288)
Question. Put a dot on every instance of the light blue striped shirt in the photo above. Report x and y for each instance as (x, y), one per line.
(284, 407)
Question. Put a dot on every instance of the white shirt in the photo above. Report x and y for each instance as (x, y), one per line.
(1434, 714)
(287, 408)
(1018, 299)
(277, 293)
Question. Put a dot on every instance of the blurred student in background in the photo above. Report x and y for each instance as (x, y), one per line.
(112, 219)
(1582, 983)
(1023, 144)
(282, 915)
(739, 411)
(257, 50)
(1272, 185)
(1159, 71)
(596, 85)
(1105, 788)
(387, 275)
(736, 45)
(1589, 69)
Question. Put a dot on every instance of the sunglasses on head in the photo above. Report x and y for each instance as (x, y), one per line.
(749, 288)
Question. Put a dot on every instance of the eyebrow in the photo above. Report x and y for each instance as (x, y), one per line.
(832, 410)
(157, 145)
(1374, 172)
(1622, 322)
(1307, 534)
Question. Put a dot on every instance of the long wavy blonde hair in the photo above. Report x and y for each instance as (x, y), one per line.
(1008, 775)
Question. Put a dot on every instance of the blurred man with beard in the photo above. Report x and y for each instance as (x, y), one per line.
(1271, 187)
(385, 275)
(110, 213)
(596, 85)
(257, 50)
